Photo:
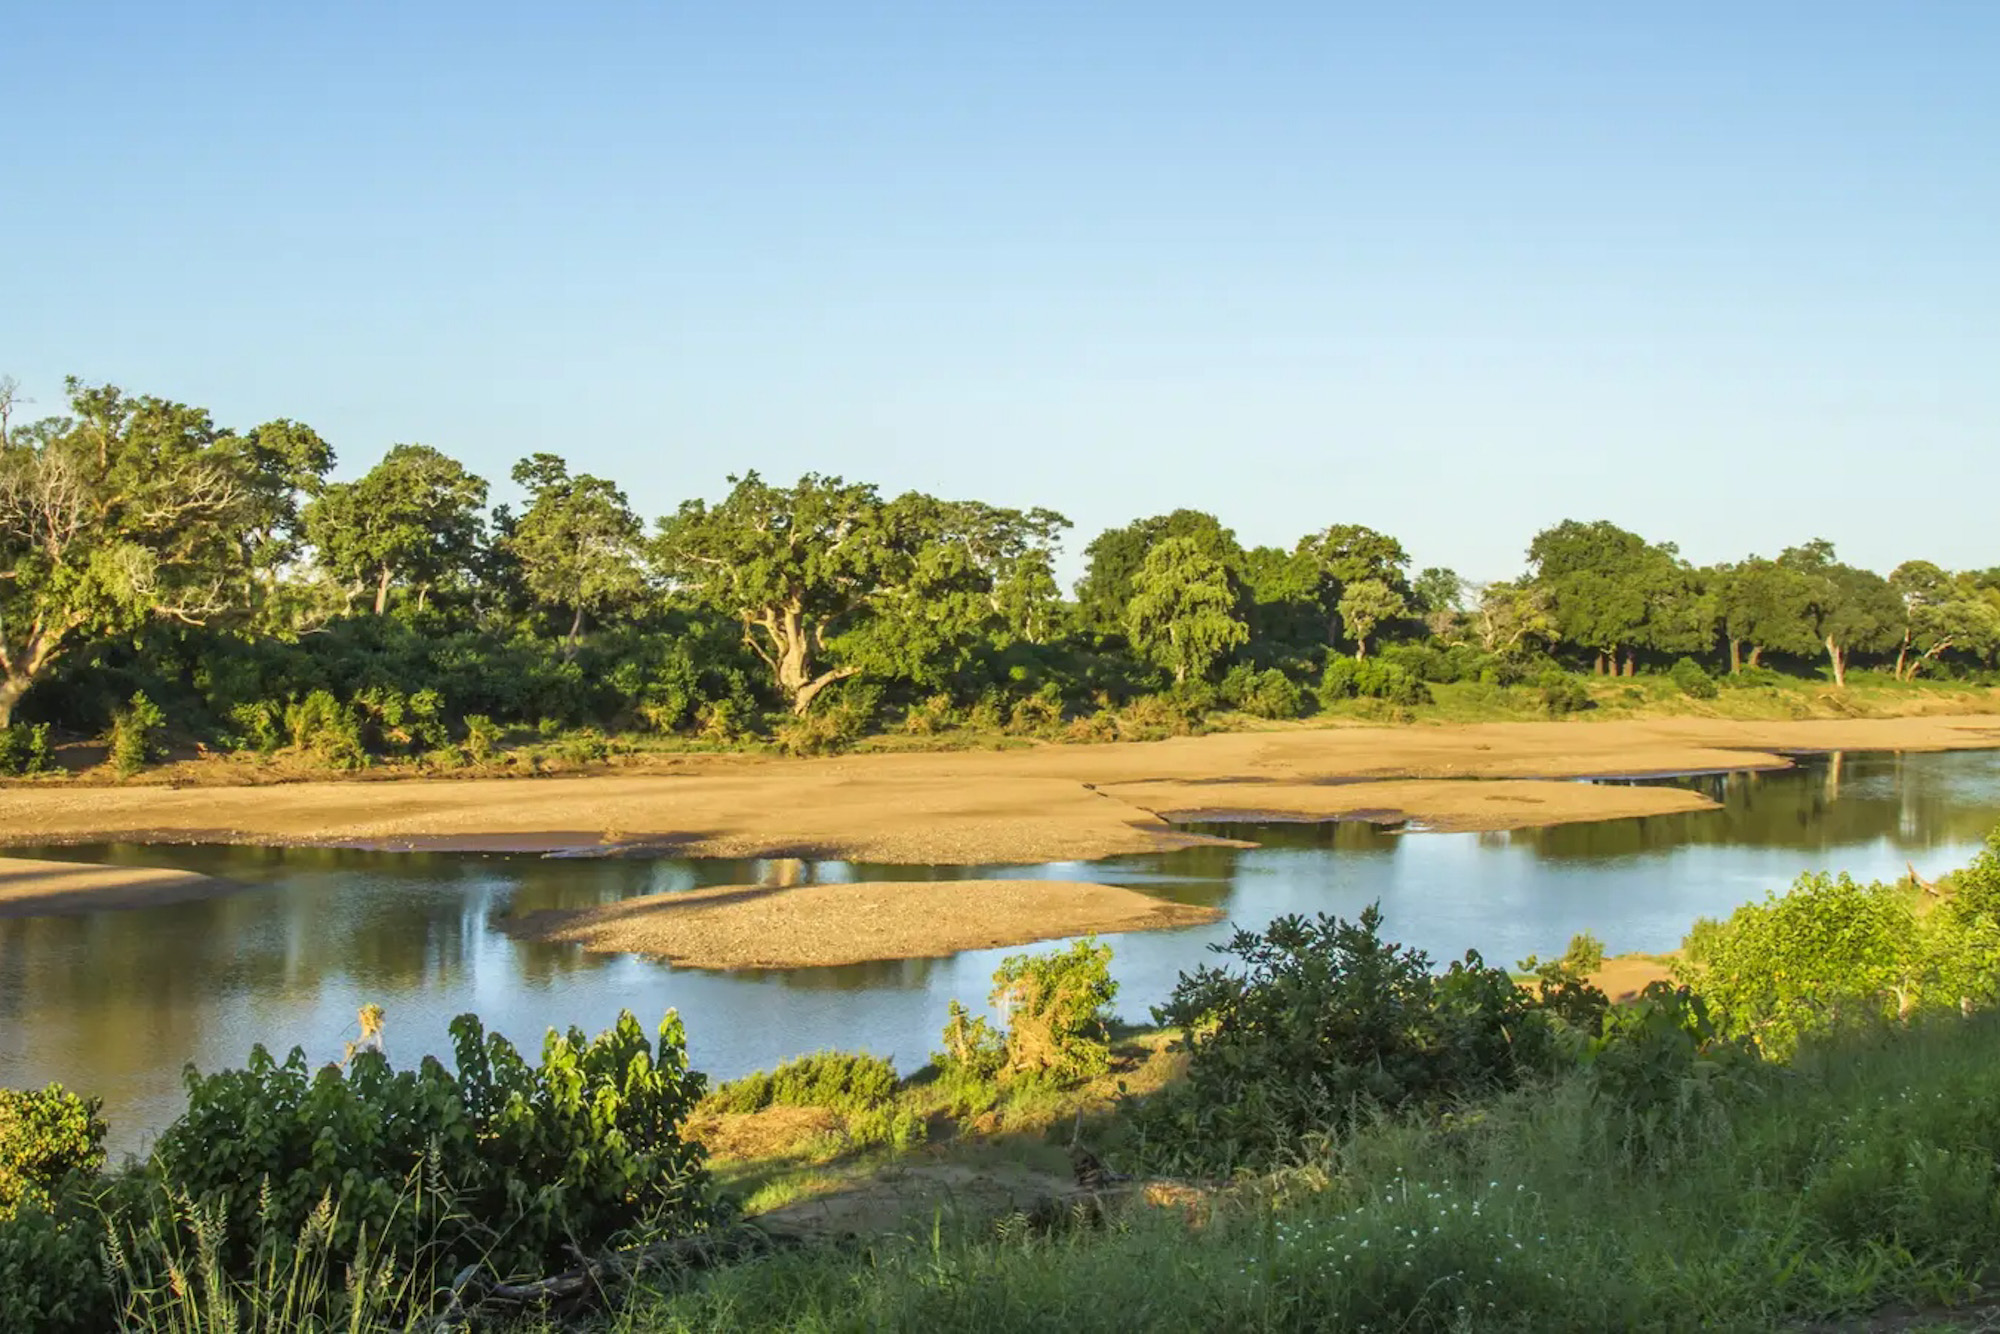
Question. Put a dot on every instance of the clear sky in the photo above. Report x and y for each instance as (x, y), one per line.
(1727, 273)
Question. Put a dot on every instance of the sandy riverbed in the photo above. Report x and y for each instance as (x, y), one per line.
(804, 926)
(1049, 803)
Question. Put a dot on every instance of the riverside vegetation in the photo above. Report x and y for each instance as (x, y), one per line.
(1804, 1126)
(173, 587)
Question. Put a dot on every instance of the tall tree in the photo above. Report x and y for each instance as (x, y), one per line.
(1762, 605)
(1365, 604)
(578, 542)
(1113, 558)
(1850, 609)
(829, 580)
(1611, 593)
(1348, 554)
(413, 519)
(1941, 612)
(1182, 613)
(128, 509)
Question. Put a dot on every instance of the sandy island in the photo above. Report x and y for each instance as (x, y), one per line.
(31, 888)
(808, 926)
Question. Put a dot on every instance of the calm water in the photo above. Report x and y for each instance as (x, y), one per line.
(117, 1002)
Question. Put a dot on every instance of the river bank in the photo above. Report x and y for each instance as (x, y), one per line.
(1049, 803)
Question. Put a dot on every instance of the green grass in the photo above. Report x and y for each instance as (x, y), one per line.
(1862, 1177)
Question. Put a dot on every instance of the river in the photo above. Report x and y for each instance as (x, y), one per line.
(117, 1002)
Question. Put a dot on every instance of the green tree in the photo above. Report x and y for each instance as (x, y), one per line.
(829, 580)
(578, 542)
(1763, 605)
(1365, 604)
(1182, 611)
(413, 519)
(129, 509)
(1113, 558)
(1349, 554)
(1611, 593)
(1511, 616)
(1941, 612)
(1850, 609)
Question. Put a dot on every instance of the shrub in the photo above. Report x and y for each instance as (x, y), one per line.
(1058, 1010)
(930, 717)
(258, 726)
(52, 1278)
(24, 750)
(47, 1136)
(482, 738)
(1266, 694)
(1562, 693)
(1662, 1074)
(1826, 953)
(501, 1163)
(1038, 714)
(320, 726)
(1326, 1020)
(1563, 986)
(1370, 678)
(843, 1081)
(135, 735)
(1753, 678)
(1693, 679)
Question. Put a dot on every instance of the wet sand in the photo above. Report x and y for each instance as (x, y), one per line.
(805, 926)
(43, 889)
(1047, 803)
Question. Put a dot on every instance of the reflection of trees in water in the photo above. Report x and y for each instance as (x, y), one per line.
(1826, 802)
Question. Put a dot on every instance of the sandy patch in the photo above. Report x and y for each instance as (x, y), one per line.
(1048, 803)
(1624, 976)
(46, 889)
(751, 926)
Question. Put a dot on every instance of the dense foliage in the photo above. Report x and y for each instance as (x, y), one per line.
(498, 1168)
(1325, 1021)
(1057, 1008)
(258, 605)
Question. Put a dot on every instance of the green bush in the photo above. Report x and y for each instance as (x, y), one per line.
(135, 735)
(1693, 679)
(1371, 678)
(1827, 953)
(501, 1164)
(1562, 693)
(1663, 1075)
(321, 726)
(47, 1137)
(843, 1081)
(1058, 1013)
(482, 738)
(1266, 694)
(52, 1273)
(1325, 1021)
(24, 750)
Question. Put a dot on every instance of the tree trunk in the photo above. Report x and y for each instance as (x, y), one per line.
(11, 690)
(1597, 668)
(575, 634)
(1838, 657)
(1360, 648)
(382, 592)
(1735, 656)
(1631, 662)
(1902, 657)
(1756, 655)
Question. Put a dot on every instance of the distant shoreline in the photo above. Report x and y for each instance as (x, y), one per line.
(1015, 807)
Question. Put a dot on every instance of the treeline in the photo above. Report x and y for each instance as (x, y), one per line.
(144, 549)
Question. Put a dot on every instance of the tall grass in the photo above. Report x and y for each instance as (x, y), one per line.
(1864, 1174)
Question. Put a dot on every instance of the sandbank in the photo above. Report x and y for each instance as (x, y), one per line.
(1040, 804)
(805, 926)
(30, 888)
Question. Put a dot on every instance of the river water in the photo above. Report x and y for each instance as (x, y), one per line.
(117, 1002)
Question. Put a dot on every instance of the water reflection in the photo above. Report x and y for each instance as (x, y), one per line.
(116, 1002)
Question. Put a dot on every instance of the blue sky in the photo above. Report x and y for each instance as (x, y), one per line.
(1728, 274)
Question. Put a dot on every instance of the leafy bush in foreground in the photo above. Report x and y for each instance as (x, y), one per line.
(24, 750)
(1057, 1007)
(1326, 1020)
(47, 1136)
(502, 1163)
